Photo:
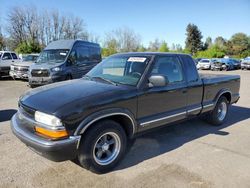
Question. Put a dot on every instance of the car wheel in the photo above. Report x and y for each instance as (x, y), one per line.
(219, 113)
(68, 77)
(102, 147)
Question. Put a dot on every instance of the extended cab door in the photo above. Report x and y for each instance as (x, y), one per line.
(194, 86)
(160, 105)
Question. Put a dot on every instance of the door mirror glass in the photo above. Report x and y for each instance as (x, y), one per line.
(157, 80)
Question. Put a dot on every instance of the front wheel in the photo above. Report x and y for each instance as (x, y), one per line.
(219, 113)
(102, 147)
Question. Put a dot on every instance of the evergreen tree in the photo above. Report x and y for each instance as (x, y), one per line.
(193, 40)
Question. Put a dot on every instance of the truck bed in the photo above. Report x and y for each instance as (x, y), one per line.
(215, 84)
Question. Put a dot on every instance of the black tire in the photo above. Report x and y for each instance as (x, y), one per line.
(68, 77)
(214, 116)
(88, 152)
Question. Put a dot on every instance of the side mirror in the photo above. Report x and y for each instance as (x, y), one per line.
(157, 80)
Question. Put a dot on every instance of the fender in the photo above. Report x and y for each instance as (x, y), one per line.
(220, 93)
(92, 118)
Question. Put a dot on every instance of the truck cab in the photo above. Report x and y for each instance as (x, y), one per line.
(6, 59)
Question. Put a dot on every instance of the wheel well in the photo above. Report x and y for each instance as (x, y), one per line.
(123, 120)
(227, 95)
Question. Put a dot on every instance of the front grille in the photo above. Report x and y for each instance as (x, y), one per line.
(5, 68)
(25, 69)
(27, 111)
(40, 73)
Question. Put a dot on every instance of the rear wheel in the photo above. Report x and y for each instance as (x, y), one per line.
(219, 113)
(102, 147)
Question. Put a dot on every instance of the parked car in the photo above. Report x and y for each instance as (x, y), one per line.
(64, 60)
(223, 64)
(20, 70)
(6, 59)
(204, 64)
(236, 63)
(93, 118)
(245, 64)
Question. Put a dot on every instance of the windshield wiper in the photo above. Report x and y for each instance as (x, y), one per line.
(109, 81)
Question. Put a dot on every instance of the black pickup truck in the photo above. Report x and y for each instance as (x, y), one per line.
(92, 118)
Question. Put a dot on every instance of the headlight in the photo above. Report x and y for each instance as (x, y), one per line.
(56, 69)
(47, 119)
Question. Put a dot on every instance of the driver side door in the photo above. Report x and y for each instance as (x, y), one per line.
(161, 105)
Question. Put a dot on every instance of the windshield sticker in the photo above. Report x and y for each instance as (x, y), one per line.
(137, 59)
(64, 54)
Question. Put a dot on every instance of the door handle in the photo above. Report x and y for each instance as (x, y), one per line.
(13, 61)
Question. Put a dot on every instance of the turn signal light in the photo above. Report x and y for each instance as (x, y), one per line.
(53, 134)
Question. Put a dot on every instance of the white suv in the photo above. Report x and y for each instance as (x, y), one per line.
(204, 64)
(6, 59)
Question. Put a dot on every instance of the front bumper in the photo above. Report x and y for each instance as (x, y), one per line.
(19, 74)
(59, 150)
(38, 81)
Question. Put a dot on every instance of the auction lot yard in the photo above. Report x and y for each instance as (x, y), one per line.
(189, 154)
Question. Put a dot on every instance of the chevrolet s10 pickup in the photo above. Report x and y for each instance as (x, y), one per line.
(92, 119)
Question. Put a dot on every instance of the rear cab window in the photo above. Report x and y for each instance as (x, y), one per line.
(14, 56)
(191, 71)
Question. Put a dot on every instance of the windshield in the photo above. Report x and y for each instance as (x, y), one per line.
(204, 61)
(0, 54)
(52, 56)
(30, 58)
(120, 69)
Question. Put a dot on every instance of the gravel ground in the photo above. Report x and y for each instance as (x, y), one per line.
(189, 154)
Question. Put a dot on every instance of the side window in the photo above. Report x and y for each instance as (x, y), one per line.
(14, 56)
(72, 57)
(6, 56)
(83, 54)
(192, 74)
(95, 55)
(170, 67)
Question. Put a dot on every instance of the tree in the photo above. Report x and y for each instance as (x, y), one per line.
(154, 45)
(208, 43)
(2, 40)
(27, 26)
(164, 47)
(193, 40)
(220, 42)
(240, 43)
(122, 40)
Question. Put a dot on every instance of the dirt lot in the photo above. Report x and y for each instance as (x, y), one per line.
(190, 154)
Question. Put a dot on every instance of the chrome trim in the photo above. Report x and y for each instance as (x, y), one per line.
(35, 139)
(208, 105)
(194, 109)
(107, 115)
(38, 124)
(163, 118)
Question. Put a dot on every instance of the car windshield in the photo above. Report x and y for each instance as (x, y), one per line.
(125, 70)
(53, 56)
(204, 61)
(0, 54)
(30, 58)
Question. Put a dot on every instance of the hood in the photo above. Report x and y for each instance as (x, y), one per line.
(24, 63)
(45, 65)
(53, 97)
